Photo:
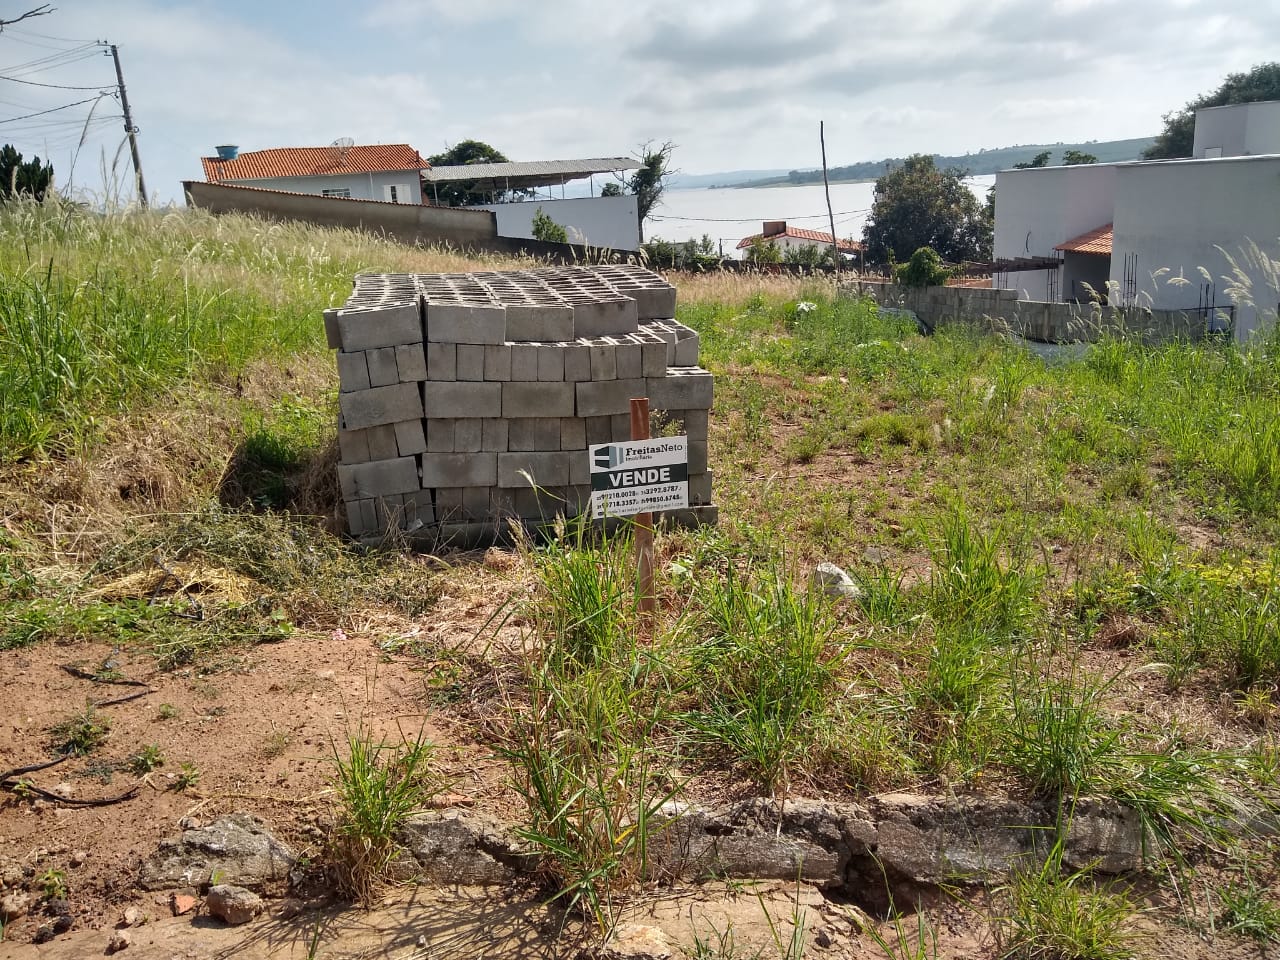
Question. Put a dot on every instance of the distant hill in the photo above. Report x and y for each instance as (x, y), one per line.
(698, 181)
(977, 164)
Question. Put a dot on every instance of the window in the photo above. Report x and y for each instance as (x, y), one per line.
(396, 193)
(337, 192)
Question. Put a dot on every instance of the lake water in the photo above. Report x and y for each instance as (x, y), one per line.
(728, 215)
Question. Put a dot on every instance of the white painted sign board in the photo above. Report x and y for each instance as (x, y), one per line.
(639, 476)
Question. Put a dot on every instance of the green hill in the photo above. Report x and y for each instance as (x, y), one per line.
(977, 164)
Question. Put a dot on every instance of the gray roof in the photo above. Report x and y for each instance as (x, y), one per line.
(538, 173)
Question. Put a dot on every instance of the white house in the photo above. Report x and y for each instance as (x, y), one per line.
(778, 233)
(1196, 234)
(597, 221)
(390, 172)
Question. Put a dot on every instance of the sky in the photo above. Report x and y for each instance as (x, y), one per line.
(735, 84)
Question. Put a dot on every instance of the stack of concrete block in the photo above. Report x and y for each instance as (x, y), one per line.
(469, 400)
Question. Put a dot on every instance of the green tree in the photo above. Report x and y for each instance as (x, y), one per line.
(762, 251)
(1041, 159)
(1075, 158)
(809, 255)
(544, 228)
(924, 269)
(1178, 135)
(650, 180)
(468, 193)
(611, 190)
(17, 178)
(917, 205)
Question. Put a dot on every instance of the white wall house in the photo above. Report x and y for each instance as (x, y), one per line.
(779, 234)
(611, 222)
(1196, 234)
(387, 172)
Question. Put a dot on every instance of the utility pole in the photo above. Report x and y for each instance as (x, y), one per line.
(826, 186)
(130, 130)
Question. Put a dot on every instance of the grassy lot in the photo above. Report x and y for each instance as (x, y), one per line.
(1069, 574)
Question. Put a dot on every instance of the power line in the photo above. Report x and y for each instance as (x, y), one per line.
(65, 106)
(56, 86)
(44, 36)
(806, 216)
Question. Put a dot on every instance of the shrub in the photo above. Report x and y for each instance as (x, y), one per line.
(924, 269)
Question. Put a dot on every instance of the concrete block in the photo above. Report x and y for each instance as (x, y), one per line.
(502, 502)
(411, 361)
(577, 362)
(419, 508)
(620, 426)
(697, 456)
(448, 505)
(598, 317)
(683, 388)
(495, 435)
(460, 399)
(378, 478)
(442, 361)
(534, 433)
(353, 371)
(497, 361)
(604, 364)
(599, 430)
(524, 362)
(628, 361)
(573, 434)
(653, 362)
(551, 363)
(331, 335)
(687, 350)
(475, 502)
(459, 469)
(465, 323)
(700, 487)
(536, 399)
(529, 506)
(470, 361)
(353, 446)
(695, 424)
(440, 436)
(410, 437)
(383, 326)
(580, 469)
(539, 322)
(605, 397)
(362, 519)
(578, 497)
(377, 405)
(390, 512)
(382, 442)
(546, 469)
(382, 366)
(467, 435)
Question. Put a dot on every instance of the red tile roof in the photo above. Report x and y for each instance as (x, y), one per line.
(798, 233)
(1097, 240)
(313, 162)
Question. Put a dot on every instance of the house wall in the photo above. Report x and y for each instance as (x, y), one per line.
(1040, 208)
(1082, 272)
(611, 222)
(363, 186)
(1175, 216)
(1237, 130)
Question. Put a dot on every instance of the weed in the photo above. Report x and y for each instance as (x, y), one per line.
(908, 943)
(146, 760)
(53, 884)
(80, 734)
(378, 785)
(188, 776)
(1248, 911)
(167, 711)
(969, 585)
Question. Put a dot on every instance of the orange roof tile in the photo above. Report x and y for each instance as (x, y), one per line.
(313, 162)
(1097, 240)
(799, 233)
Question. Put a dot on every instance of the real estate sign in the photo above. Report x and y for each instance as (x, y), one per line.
(639, 476)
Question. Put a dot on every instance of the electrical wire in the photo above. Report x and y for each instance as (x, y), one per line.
(23, 32)
(57, 86)
(806, 216)
(65, 106)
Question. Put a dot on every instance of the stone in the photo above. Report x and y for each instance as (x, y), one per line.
(182, 903)
(832, 580)
(120, 940)
(79, 857)
(1104, 835)
(637, 941)
(14, 905)
(132, 917)
(238, 848)
(233, 905)
(463, 847)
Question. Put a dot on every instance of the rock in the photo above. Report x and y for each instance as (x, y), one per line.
(874, 555)
(636, 941)
(14, 905)
(233, 905)
(237, 849)
(460, 847)
(834, 582)
(11, 874)
(79, 857)
(64, 790)
(180, 903)
(120, 940)
(133, 917)
(1103, 835)
(63, 923)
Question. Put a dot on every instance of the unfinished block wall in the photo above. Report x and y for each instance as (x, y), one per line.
(468, 400)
